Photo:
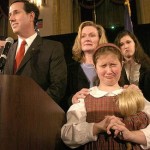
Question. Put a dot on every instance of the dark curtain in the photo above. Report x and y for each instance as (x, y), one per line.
(4, 7)
(109, 13)
(3, 19)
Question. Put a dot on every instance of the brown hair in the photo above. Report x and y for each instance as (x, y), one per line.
(139, 56)
(29, 7)
(106, 48)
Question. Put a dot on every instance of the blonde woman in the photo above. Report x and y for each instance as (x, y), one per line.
(81, 73)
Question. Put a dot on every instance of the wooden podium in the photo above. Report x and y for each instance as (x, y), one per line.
(29, 118)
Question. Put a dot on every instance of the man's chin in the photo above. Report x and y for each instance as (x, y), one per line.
(16, 32)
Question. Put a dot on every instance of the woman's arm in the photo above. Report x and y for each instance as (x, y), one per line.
(146, 131)
(77, 131)
(80, 95)
(132, 136)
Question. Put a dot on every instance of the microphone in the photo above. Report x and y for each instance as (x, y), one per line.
(3, 57)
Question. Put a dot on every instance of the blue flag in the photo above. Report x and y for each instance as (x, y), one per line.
(127, 18)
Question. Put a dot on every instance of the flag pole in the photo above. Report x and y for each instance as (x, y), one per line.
(127, 2)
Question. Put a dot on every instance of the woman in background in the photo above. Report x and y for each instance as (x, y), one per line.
(81, 73)
(136, 62)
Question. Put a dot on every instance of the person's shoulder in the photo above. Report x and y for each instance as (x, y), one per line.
(145, 68)
(77, 107)
(74, 65)
(13, 46)
(53, 46)
(145, 63)
(52, 42)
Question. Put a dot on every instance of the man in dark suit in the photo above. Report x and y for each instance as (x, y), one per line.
(43, 60)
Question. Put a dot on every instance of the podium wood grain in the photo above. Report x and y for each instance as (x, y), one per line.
(29, 118)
